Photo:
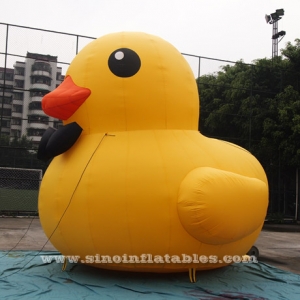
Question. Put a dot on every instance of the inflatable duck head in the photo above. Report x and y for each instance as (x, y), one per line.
(127, 81)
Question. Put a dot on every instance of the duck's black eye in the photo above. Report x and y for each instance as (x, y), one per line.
(124, 62)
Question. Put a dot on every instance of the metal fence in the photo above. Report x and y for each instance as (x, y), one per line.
(19, 190)
(16, 41)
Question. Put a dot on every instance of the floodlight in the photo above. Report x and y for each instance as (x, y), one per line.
(278, 34)
(274, 16)
(280, 12)
(268, 18)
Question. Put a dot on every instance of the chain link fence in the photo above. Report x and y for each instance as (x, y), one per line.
(15, 44)
(19, 190)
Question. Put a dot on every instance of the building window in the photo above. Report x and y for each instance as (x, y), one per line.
(8, 76)
(5, 112)
(35, 105)
(18, 96)
(16, 121)
(19, 71)
(41, 79)
(58, 76)
(19, 83)
(5, 124)
(17, 108)
(40, 93)
(35, 132)
(5, 99)
(6, 88)
(57, 124)
(41, 66)
(16, 133)
(38, 119)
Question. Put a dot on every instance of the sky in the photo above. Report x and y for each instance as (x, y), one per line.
(224, 29)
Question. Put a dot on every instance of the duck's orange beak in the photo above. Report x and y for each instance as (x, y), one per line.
(65, 99)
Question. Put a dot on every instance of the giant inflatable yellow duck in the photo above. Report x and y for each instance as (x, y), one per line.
(134, 185)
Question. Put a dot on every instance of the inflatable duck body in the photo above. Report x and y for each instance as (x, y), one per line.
(134, 185)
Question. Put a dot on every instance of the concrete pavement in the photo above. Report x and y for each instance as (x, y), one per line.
(21, 233)
(279, 245)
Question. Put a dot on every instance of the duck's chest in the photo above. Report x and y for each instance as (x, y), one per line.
(145, 162)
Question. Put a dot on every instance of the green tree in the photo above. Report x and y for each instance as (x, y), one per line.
(4, 140)
(23, 142)
(292, 54)
(19, 153)
(258, 107)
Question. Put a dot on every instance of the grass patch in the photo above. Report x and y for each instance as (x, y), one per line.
(18, 200)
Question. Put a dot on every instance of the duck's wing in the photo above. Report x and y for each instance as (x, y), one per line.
(219, 207)
(55, 142)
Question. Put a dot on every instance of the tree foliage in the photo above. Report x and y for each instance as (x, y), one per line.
(19, 153)
(257, 106)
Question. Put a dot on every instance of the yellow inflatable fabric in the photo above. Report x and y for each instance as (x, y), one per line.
(141, 189)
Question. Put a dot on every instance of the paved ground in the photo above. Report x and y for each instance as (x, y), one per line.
(23, 234)
(279, 245)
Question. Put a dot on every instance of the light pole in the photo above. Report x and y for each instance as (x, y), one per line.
(273, 19)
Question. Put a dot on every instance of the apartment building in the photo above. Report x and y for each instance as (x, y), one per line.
(21, 91)
(6, 96)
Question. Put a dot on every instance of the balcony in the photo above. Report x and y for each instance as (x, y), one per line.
(41, 66)
(35, 108)
(37, 125)
(36, 111)
(36, 98)
(16, 114)
(19, 77)
(19, 83)
(15, 127)
(35, 138)
(5, 130)
(35, 133)
(40, 86)
(41, 73)
(7, 89)
(39, 121)
(5, 105)
(18, 102)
